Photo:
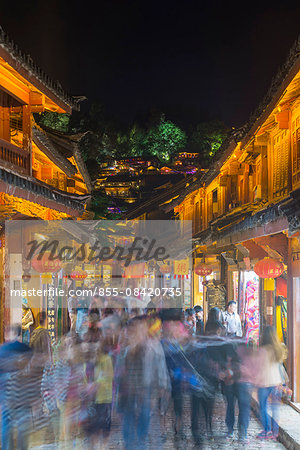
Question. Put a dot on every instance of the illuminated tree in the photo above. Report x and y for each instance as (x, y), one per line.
(165, 139)
(207, 139)
(56, 121)
(137, 141)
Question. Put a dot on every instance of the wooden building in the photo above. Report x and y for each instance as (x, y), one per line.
(42, 174)
(247, 207)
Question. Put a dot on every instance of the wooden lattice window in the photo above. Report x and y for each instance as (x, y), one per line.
(281, 164)
(296, 150)
(196, 218)
(209, 206)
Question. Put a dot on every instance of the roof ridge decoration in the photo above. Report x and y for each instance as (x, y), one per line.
(41, 136)
(81, 166)
(27, 62)
(238, 134)
(276, 81)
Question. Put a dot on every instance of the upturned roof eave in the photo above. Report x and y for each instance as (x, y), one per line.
(25, 66)
(42, 141)
(275, 92)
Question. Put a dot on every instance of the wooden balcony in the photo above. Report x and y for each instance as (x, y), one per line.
(14, 158)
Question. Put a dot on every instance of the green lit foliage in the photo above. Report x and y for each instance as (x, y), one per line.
(55, 121)
(137, 141)
(100, 204)
(207, 138)
(92, 120)
(164, 139)
(122, 146)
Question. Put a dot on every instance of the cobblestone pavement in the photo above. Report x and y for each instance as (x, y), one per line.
(166, 440)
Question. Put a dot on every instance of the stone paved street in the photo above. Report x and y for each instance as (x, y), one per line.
(155, 441)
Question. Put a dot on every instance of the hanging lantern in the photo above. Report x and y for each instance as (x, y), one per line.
(78, 275)
(203, 270)
(44, 264)
(268, 268)
(165, 268)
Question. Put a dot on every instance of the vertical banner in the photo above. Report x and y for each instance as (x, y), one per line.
(59, 309)
(51, 310)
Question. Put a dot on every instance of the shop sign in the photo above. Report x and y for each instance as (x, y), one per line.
(51, 312)
(181, 267)
(107, 272)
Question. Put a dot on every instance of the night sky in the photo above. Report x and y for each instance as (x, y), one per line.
(194, 60)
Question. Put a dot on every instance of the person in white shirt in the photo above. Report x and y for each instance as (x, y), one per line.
(232, 321)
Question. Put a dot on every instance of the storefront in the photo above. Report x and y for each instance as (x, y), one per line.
(249, 304)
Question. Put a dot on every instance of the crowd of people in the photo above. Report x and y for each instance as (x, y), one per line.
(137, 364)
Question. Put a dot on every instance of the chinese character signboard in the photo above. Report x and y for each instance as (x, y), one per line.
(51, 311)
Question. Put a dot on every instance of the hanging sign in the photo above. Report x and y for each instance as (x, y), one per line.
(181, 267)
(51, 312)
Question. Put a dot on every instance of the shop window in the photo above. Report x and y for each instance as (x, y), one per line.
(257, 193)
(209, 206)
(215, 206)
(70, 182)
(196, 218)
(234, 201)
(201, 215)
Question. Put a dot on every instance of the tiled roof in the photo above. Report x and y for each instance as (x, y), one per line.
(41, 139)
(241, 133)
(39, 188)
(26, 62)
(63, 146)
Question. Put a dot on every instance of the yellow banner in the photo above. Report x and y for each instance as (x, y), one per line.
(181, 267)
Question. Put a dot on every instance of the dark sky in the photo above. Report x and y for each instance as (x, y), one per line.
(192, 59)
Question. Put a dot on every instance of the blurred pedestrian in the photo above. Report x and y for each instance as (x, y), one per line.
(199, 320)
(214, 324)
(133, 395)
(14, 355)
(40, 341)
(99, 392)
(175, 338)
(190, 321)
(270, 370)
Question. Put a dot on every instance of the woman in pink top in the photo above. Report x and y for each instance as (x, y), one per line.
(269, 362)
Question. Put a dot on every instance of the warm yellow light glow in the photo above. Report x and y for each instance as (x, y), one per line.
(14, 204)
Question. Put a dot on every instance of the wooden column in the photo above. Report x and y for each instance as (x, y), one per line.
(4, 123)
(246, 184)
(269, 297)
(27, 135)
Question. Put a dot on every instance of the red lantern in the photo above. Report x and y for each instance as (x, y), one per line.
(268, 268)
(203, 270)
(44, 264)
(78, 275)
(165, 269)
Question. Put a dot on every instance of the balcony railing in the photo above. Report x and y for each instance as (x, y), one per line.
(14, 158)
